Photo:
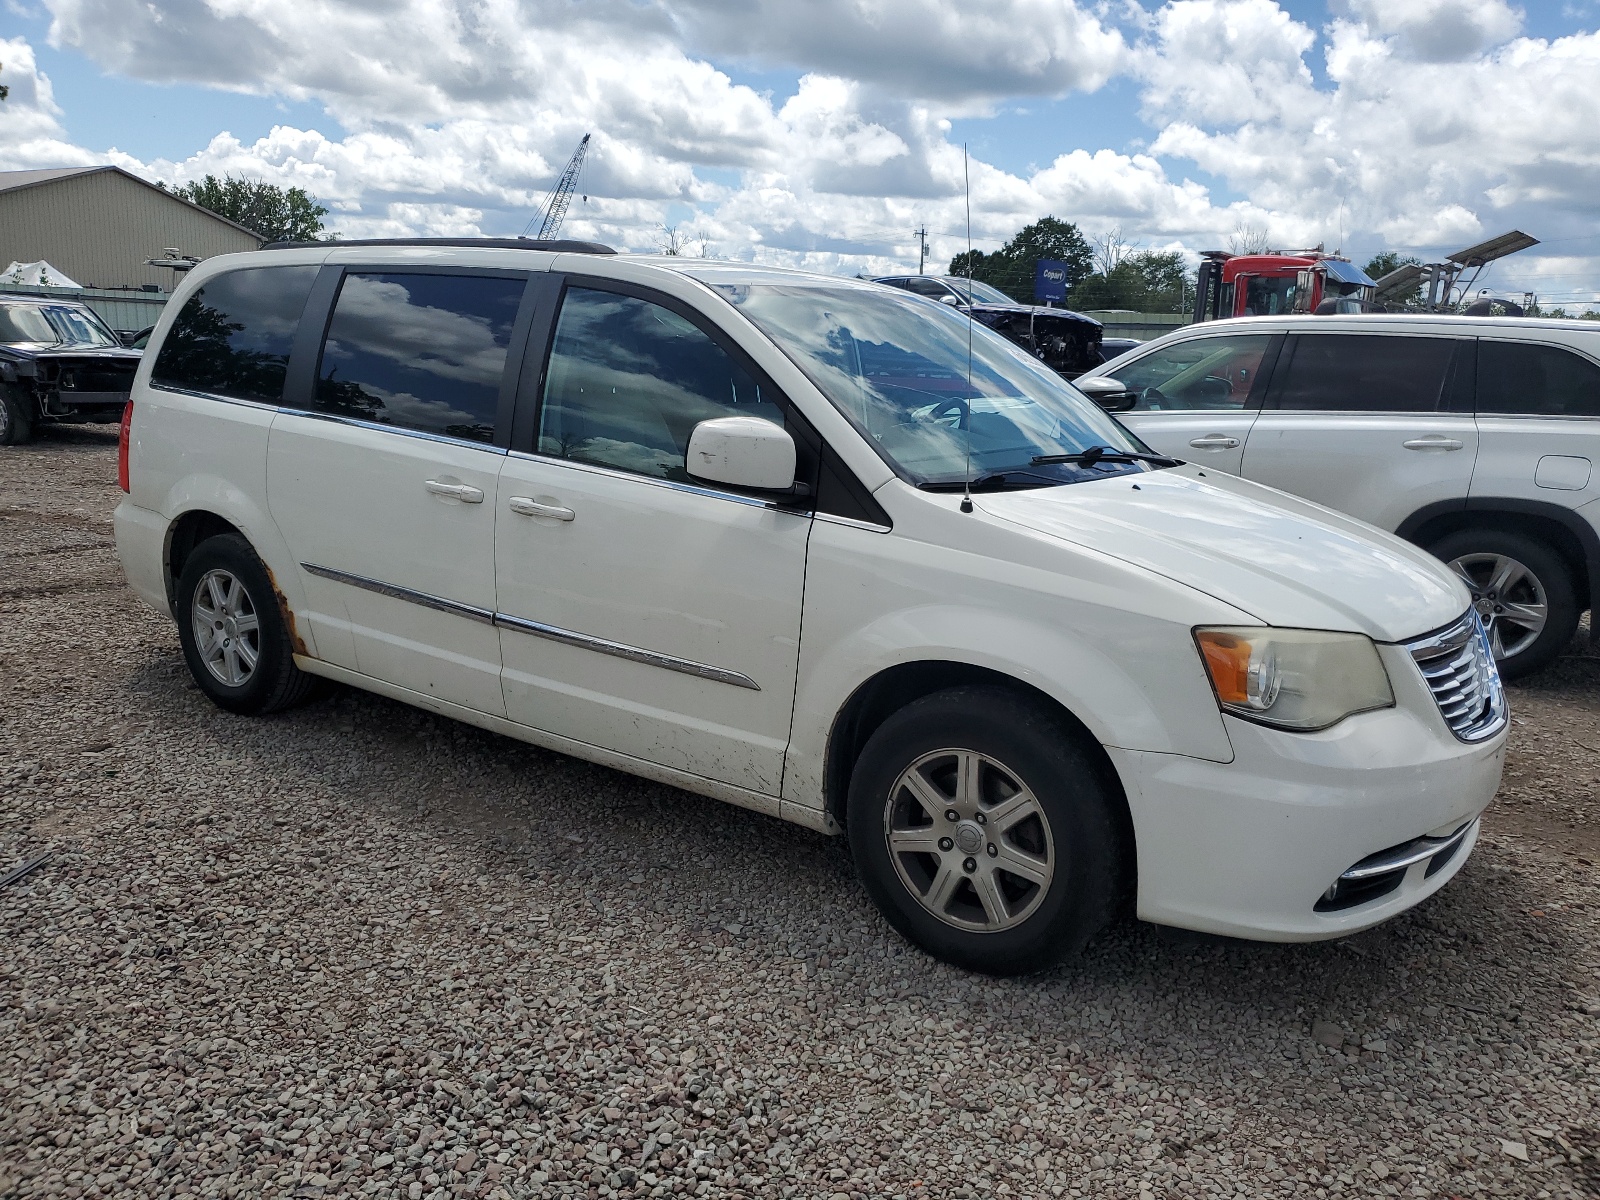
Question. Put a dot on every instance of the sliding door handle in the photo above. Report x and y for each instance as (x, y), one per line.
(463, 492)
(529, 507)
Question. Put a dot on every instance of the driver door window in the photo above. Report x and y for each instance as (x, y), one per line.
(1198, 397)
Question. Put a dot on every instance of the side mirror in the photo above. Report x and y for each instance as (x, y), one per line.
(1108, 393)
(746, 452)
(947, 298)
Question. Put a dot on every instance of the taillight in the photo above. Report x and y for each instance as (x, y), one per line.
(122, 447)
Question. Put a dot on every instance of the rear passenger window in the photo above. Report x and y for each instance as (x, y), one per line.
(232, 336)
(628, 382)
(1521, 379)
(419, 351)
(1348, 372)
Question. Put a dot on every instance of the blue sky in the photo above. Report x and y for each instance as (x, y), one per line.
(370, 128)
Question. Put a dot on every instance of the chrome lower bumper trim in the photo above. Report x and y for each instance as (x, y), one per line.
(1410, 854)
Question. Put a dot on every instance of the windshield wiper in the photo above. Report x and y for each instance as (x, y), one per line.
(994, 481)
(1099, 454)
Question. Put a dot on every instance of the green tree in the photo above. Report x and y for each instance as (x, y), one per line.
(1143, 280)
(1010, 268)
(4, 90)
(277, 214)
(1389, 260)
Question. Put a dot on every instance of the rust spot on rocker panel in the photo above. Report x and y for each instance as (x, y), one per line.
(295, 640)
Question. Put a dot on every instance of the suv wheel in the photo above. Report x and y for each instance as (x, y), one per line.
(232, 631)
(984, 832)
(1521, 589)
(16, 422)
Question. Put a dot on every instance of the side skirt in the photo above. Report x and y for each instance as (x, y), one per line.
(626, 763)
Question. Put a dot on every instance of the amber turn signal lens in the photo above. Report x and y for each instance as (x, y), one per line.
(1228, 660)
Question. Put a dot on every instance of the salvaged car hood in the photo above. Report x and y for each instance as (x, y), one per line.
(39, 351)
(1037, 311)
(1284, 560)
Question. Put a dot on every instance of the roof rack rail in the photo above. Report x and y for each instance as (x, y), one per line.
(483, 243)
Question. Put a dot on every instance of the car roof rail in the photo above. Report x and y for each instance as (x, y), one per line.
(482, 243)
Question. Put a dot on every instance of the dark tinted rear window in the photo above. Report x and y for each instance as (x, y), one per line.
(419, 351)
(232, 337)
(1351, 372)
(1523, 379)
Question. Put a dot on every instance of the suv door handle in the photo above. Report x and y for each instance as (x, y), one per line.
(529, 507)
(463, 492)
(1432, 443)
(1214, 441)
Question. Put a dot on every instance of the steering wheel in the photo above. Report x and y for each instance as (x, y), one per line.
(943, 412)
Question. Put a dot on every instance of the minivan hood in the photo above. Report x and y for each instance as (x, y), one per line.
(1284, 560)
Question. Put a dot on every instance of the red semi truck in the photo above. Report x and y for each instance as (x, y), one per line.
(1264, 285)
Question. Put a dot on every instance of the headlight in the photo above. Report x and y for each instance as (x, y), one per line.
(1294, 678)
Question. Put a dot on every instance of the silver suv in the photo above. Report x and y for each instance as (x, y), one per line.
(1472, 437)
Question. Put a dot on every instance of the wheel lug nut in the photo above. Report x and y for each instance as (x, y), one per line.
(994, 850)
(981, 819)
(951, 814)
(946, 844)
(970, 865)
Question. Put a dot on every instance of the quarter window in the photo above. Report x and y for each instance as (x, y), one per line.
(232, 336)
(1523, 379)
(628, 382)
(1199, 373)
(1349, 372)
(419, 351)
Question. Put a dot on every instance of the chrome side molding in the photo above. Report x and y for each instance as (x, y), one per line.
(554, 633)
(439, 603)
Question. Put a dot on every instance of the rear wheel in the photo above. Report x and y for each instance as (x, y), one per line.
(232, 631)
(1522, 590)
(984, 832)
(16, 421)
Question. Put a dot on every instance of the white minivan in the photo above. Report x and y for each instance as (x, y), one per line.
(821, 549)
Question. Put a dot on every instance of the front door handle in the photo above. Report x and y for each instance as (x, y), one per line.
(1214, 441)
(529, 507)
(463, 492)
(1433, 443)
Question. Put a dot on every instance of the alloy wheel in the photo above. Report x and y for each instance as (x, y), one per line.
(227, 630)
(969, 840)
(1509, 598)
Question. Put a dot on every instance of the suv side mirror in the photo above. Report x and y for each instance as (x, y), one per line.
(746, 452)
(947, 298)
(1108, 393)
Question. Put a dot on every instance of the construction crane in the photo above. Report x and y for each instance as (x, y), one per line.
(555, 205)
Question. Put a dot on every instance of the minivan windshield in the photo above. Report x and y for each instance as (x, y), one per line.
(53, 325)
(897, 367)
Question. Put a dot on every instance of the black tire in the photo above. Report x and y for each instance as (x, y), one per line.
(274, 682)
(1081, 832)
(1547, 574)
(16, 419)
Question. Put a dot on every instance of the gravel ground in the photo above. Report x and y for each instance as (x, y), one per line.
(359, 951)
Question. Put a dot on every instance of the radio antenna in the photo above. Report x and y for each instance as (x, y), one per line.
(966, 182)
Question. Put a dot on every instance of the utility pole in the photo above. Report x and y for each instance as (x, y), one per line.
(922, 258)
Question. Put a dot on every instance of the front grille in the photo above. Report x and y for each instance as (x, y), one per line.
(1458, 666)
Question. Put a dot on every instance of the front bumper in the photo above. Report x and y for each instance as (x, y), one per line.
(1251, 848)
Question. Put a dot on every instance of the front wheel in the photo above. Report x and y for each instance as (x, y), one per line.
(16, 421)
(1522, 590)
(232, 631)
(984, 831)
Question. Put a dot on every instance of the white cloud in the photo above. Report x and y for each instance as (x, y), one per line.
(1440, 30)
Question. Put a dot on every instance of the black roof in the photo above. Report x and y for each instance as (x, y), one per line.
(485, 243)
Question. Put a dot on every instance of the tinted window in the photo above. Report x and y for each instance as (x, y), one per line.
(418, 351)
(232, 337)
(927, 287)
(629, 381)
(1363, 373)
(1515, 377)
(1205, 373)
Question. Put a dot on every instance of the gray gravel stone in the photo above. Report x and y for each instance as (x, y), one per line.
(356, 950)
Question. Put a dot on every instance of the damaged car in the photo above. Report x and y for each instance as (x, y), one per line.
(1065, 341)
(59, 363)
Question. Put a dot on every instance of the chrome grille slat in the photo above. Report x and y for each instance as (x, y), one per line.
(1458, 666)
